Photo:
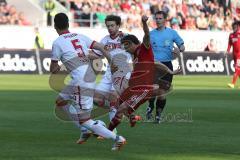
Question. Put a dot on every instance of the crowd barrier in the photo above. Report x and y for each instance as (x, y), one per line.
(192, 63)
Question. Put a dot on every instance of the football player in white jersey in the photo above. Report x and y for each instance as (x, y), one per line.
(73, 51)
(106, 89)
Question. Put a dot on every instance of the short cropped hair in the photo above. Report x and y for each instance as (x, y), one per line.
(61, 21)
(162, 13)
(114, 18)
(131, 38)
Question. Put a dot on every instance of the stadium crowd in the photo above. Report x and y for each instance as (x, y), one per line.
(10, 16)
(215, 15)
(183, 14)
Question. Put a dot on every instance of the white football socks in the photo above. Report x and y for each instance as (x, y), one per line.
(112, 113)
(99, 129)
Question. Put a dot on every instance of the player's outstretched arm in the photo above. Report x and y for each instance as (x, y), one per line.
(146, 38)
(100, 47)
(164, 69)
(94, 54)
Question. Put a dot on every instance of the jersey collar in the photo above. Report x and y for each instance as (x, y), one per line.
(64, 32)
(120, 34)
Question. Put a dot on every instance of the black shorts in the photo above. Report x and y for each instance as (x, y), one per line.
(164, 80)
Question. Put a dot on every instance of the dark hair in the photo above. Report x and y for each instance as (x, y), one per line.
(131, 38)
(162, 13)
(115, 18)
(236, 23)
(61, 21)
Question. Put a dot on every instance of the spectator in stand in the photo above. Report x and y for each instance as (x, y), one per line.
(101, 14)
(211, 46)
(22, 20)
(219, 20)
(202, 22)
(10, 16)
(185, 11)
(228, 24)
(194, 11)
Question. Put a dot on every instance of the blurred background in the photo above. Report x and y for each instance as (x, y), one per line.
(203, 24)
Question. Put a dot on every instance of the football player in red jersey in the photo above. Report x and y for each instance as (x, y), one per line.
(140, 86)
(234, 42)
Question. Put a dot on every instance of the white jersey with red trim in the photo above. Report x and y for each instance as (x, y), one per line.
(112, 43)
(123, 61)
(114, 46)
(72, 50)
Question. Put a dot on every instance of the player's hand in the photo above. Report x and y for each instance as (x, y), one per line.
(107, 47)
(144, 18)
(176, 52)
(177, 71)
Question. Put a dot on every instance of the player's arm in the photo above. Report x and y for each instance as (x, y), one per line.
(146, 38)
(56, 54)
(179, 41)
(100, 47)
(94, 54)
(164, 69)
(54, 67)
(176, 52)
(181, 47)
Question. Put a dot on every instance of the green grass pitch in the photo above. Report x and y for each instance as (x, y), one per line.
(202, 122)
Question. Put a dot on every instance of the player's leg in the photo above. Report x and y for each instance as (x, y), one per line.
(150, 108)
(106, 93)
(236, 73)
(142, 95)
(103, 91)
(164, 87)
(152, 99)
(124, 101)
(101, 130)
(160, 104)
(234, 80)
(116, 120)
(66, 107)
(130, 100)
(84, 117)
(113, 104)
(69, 110)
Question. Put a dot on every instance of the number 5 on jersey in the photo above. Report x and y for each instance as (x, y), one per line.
(78, 47)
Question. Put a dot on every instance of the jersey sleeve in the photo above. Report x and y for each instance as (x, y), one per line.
(177, 39)
(89, 42)
(56, 52)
